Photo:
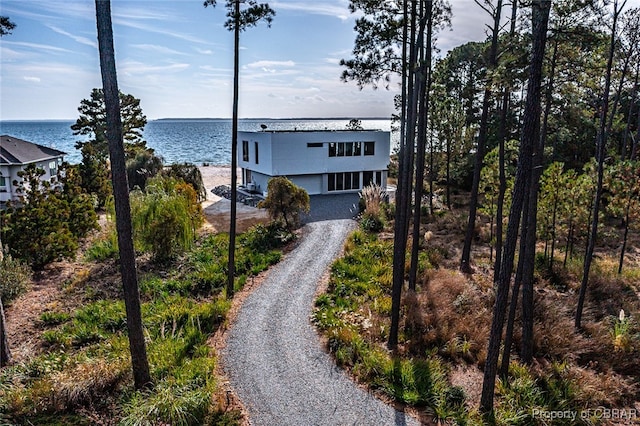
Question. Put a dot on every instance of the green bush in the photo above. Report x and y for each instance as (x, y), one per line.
(165, 217)
(371, 222)
(35, 235)
(189, 173)
(141, 168)
(14, 278)
(285, 201)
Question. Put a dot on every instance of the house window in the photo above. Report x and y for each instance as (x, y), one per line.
(345, 149)
(245, 150)
(357, 149)
(314, 145)
(343, 181)
(3, 184)
(332, 149)
(255, 145)
(369, 148)
(369, 178)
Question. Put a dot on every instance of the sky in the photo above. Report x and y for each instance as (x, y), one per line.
(177, 57)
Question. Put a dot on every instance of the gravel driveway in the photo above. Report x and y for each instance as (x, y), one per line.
(274, 358)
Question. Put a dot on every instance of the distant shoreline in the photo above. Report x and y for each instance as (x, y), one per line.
(273, 119)
(58, 120)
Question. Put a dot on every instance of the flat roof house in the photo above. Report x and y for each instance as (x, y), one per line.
(16, 154)
(321, 162)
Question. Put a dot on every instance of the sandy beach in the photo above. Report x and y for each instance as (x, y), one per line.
(217, 210)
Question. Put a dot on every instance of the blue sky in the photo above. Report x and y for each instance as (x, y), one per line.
(176, 56)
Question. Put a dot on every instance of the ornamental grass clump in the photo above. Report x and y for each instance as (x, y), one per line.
(373, 217)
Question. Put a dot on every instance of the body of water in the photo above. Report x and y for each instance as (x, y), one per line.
(176, 140)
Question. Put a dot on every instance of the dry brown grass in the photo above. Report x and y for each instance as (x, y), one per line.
(451, 313)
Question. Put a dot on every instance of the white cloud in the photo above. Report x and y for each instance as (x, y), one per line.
(204, 51)
(37, 46)
(31, 79)
(158, 30)
(271, 64)
(340, 11)
(79, 39)
(132, 67)
(159, 49)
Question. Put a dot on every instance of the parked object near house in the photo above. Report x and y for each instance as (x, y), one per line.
(321, 162)
(16, 154)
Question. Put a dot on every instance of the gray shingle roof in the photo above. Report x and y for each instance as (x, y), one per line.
(18, 151)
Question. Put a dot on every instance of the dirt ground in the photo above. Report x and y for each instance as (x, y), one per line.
(217, 210)
(51, 287)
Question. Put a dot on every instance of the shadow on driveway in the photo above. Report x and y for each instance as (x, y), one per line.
(331, 207)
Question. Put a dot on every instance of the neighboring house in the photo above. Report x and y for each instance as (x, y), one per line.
(321, 162)
(16, 154)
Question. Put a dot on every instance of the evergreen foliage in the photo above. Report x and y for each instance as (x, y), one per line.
(95, 166)
(285, 200)
(46, 223)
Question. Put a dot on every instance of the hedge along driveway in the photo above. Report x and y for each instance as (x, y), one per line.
(274, 358)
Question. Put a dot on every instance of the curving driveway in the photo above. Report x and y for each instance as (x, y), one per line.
(274, 358)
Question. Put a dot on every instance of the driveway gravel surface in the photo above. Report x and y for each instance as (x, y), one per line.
(274, 358)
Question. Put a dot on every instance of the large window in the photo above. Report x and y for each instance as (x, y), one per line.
(350, 149)
(245, 150)
(343, 181)
(369, 178)
(3, 184)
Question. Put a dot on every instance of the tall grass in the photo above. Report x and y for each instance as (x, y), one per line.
(353, 314)
(87, 368)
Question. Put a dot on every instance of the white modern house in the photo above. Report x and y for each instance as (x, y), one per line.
(16, 154)
(321, 162)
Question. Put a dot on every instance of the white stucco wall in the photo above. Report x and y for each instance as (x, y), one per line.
(288, 154)
(10, 172)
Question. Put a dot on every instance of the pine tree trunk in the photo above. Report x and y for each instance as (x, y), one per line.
(502, 178)
(403, 188)
(137, 346)
(424, 83)
(600, 151)
(529, 138)
(5, 352)
(465, 260)
(231, 265)
(627, 131)
(625, 238)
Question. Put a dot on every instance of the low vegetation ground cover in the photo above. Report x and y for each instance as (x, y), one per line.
(81, 372)
(445, 328)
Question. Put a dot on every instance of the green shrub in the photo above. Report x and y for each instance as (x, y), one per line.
(189, 173)
(263, 238)
(371, 222)
(285, 201)
(14, 278)
(165, 217)
(141, 168)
